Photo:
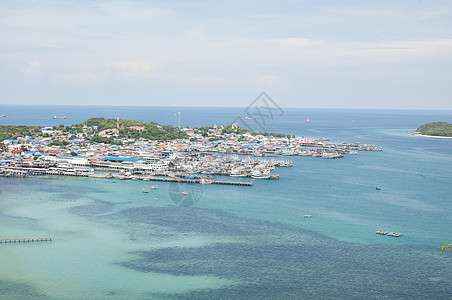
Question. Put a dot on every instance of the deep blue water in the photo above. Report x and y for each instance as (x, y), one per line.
(242, 242)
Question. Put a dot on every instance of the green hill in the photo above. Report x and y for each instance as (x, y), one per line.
(13, 131)
(134, 129)
(436, 129)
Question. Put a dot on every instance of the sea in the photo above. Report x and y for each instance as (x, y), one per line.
(112, 241)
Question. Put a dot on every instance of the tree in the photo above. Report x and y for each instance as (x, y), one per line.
(73, 153)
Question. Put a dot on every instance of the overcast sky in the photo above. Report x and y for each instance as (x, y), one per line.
(335, 54)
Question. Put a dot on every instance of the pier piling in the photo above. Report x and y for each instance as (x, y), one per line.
(26, 240)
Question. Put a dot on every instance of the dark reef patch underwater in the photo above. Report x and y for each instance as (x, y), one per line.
(15, 290)
(273, 261)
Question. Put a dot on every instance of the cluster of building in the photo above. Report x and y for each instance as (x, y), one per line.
(235, 155)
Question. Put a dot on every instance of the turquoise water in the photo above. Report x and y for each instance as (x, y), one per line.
(113, 241)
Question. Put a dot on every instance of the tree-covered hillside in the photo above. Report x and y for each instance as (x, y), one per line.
(13, 131)
(134, 129)
(436, 129)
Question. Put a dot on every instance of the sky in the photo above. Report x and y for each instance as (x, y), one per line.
(302, 53)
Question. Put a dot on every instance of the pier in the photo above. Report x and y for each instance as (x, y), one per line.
(195, 180)
(6, 171)
(26, 240)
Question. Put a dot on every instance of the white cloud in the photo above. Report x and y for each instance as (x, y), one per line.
(33, 70)
(138, 69)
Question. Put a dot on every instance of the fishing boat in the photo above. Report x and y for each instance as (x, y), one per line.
(256, 174)
(331, 155)
(288, 153)
(205, 181)
(145, 191)
(378, 188)
(395, 234)
(304, 153)
(55, 117)
(307, 120)
(257, 153)
(238, 175)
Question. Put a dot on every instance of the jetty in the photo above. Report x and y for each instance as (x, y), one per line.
(25, 240)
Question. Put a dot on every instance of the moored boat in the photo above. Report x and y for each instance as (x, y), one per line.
(381, 232)
(395, 234)
(256, 174)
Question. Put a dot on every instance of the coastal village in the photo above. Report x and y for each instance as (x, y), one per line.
(123, 151)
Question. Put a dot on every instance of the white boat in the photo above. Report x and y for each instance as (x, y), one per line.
(257, 153)
(395, 234)
(307, 120)
(205, 181)
(304, 153)
(307, 216)
(2, 116)
(256, 174)
(250, 118)
(331, 155)
(145, 191)
(184, 193)
(55, 117)
(238, 175)
(153, 187)
(288, 152)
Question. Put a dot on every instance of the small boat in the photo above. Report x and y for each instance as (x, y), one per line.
(2, 116)
(257, 153)
(205, 181)
(307, 120)
(378, 188)
(329, 155)
(184, 193)
(145, 191)
(395, 234)
(153, 187)
(156, 198)
(55, 117)
(381, 232)
(307, 216)
(238, 175)
(259, 175)
(250, 118)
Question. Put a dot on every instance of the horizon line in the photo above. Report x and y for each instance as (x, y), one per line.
(239, 107)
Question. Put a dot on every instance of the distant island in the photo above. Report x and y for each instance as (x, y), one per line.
(439, 129)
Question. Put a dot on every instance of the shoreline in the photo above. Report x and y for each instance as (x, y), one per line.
(432, 136)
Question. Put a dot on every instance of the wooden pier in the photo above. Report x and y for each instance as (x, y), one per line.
(26, 240)
(177, 177)
(195, 180)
